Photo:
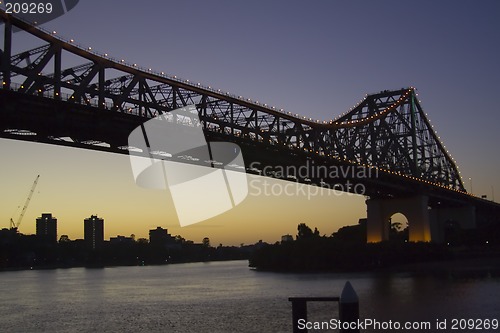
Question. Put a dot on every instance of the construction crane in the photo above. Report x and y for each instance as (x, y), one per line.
(15, 225)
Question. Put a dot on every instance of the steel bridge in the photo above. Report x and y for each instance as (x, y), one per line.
(65, 94)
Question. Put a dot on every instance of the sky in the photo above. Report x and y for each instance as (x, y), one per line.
(314, 58)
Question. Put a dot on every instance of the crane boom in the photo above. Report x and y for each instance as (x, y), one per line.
(25, 207)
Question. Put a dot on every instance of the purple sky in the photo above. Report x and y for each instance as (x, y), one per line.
(319, 58)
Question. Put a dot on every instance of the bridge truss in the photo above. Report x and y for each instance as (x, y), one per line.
(386, 131)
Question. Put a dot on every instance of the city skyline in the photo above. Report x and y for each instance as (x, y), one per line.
(46, 227)
(243, 224)
(318, 68)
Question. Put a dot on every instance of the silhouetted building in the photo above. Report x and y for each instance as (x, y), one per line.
(121, 240)
(160, 237)
(46, 228)
(93, 232)
(8, 237)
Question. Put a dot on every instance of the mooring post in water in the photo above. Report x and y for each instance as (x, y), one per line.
(349, 309)
(299, 311)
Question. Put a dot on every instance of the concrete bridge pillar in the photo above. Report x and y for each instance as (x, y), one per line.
(415, 209)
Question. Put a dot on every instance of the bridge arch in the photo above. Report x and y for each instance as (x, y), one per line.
(415, 209)
(398, 222)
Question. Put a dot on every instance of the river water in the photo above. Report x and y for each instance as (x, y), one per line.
(226, 297)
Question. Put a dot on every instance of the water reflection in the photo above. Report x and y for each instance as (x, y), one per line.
(222, 297)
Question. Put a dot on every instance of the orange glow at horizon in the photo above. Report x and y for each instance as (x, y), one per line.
(77, 183)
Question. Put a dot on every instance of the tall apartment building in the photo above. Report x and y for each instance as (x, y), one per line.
(46, 228)
(160, 237)
(93, 232)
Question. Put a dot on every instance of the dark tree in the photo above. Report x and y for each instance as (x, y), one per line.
(304, 232)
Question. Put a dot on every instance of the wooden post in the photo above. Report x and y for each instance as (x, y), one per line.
(349, 307)
(299, 311)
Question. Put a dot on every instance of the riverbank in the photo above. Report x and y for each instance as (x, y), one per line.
(98, 266)
(327, 255)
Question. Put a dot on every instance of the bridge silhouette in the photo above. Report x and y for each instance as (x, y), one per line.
(61, 93)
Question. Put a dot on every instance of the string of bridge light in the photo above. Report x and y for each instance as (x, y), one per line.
(199, 85)
(350, 110)
(248, 100)
(387, 171)
(382, 113)
(377, 115)
(89, 49)
(365, 165)
(448, 154)
(397, 103)
(361, 101)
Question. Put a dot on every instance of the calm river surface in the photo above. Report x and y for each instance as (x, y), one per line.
(224, 297)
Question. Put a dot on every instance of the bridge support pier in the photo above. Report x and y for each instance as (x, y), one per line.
(463, 217)
(414, 208)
